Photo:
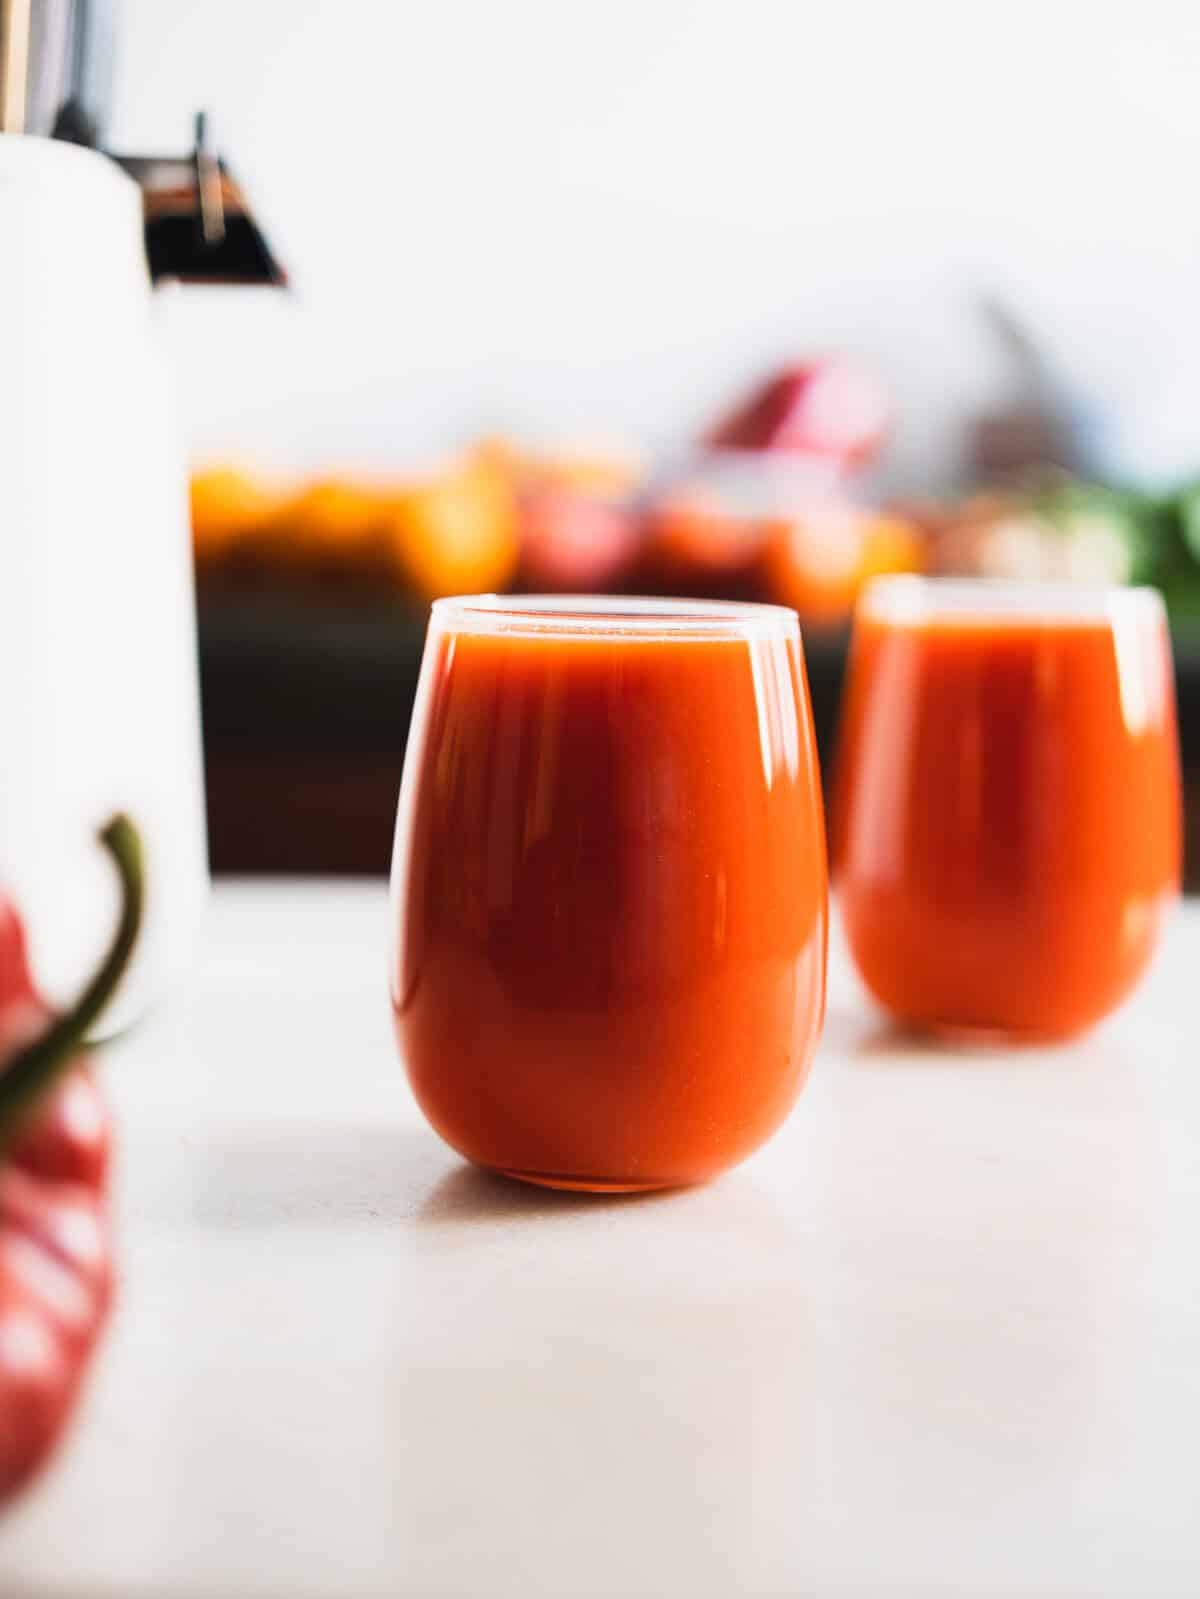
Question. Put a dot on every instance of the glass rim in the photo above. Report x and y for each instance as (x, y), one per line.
(910, 598)
(611, 617)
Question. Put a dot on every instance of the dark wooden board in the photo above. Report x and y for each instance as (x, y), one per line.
(306, 711)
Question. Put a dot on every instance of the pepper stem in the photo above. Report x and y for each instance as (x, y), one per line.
(32, 1071)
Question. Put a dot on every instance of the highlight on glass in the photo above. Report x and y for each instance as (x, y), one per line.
(609, 886)
(1007, 813)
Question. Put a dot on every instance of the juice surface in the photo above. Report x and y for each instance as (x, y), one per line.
(611, 897)
(1007, 817)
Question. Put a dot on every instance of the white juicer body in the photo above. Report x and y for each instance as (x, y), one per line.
(99, 701)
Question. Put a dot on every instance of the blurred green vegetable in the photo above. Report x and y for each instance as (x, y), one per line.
(1159, 535)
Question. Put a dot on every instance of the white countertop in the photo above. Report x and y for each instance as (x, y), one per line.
(942, 1337)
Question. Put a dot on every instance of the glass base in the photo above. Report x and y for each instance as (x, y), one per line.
(586, 1185)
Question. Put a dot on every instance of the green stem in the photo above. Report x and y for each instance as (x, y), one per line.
(32, 1071)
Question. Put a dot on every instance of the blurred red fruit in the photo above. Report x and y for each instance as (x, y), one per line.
(831, 408)
(573, 542)
(695, 537)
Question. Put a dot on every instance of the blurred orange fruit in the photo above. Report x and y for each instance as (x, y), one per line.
(331, 533)
(891, 544)
(227, 505)
(336, 522)
(818, 561)
(456, 533)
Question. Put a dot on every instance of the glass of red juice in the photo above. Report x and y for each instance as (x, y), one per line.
(609, 886)
(1006, 821)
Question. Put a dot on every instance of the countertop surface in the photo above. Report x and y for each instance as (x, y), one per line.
(941, 1337)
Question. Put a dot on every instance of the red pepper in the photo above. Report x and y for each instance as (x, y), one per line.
(56, 1271)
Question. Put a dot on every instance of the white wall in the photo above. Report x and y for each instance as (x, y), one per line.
(569, 216)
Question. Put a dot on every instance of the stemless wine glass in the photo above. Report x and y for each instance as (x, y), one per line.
(1007, 817)
(609, 886)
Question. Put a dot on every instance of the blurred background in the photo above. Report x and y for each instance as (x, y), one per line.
(682, 296)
